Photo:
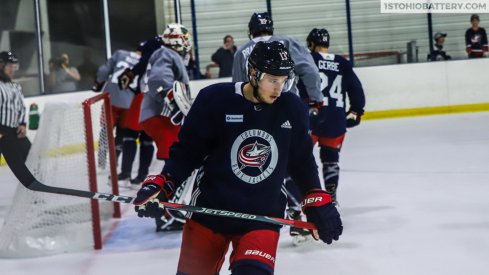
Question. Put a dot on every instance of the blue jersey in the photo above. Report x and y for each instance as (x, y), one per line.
(243, 151)
(338, 80)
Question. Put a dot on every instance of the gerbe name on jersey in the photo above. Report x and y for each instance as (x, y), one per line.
(254, 156)
(328, 65)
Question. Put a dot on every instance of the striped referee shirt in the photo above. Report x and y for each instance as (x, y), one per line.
(12, 108)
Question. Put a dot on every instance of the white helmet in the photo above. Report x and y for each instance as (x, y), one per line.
(177, 37)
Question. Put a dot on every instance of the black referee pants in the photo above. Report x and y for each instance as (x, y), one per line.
(15, 151)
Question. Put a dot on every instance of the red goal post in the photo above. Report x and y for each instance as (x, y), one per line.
(106, 124)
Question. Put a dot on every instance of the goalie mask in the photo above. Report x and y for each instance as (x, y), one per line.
(320, 37)
(177, 37)
(271, 58)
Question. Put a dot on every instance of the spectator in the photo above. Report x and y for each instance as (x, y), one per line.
(14, 144)
(476, 39)
(63, 77)
(438, 54)
(87, 70)
(223, 58)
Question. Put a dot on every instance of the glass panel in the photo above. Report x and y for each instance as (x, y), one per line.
(216, 19)
(131, 22)
(455, 26)
(73, 29)
(18, 34)
(380, 39)
(297, 19)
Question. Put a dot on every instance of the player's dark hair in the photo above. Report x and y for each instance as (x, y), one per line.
(320, 37)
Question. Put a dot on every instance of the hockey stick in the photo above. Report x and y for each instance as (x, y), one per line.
(27, 179)
(37, 186)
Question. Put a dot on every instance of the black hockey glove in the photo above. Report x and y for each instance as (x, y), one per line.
(319, 209)
(314, 108)
(155, 189)
(353, 118)
(125, 79)
(97, 87)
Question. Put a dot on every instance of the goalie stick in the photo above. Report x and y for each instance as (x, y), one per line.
(28, 180)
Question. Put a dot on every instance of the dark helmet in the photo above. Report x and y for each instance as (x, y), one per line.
(260, 22)
(320, 37)
(8, 57)
(272, 58)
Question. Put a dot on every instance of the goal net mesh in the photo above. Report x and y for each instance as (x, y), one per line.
(40, 224)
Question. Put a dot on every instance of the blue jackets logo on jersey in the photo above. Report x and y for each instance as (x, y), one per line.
(254, 156)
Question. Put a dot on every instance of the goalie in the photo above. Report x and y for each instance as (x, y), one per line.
(160, 116)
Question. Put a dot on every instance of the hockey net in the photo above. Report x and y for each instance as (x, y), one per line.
(73, 148)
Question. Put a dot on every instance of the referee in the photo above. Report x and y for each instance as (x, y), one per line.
(14, 144)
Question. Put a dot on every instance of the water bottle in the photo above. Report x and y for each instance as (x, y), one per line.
(33, 117)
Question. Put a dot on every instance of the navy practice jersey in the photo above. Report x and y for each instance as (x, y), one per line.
(244, 151)
(337, 80)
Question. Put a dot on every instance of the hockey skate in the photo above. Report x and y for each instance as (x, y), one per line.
(123, 179)
(135, 182)
(300, 236)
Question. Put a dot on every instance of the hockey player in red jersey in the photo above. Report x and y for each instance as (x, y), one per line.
(244, 145)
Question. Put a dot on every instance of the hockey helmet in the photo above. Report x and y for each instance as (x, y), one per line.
(177, 37)
(7, 57)
(260, 22)
(271, 58)
(320, 37)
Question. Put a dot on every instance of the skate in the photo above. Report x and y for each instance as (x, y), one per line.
(300, 236)
(135, 182)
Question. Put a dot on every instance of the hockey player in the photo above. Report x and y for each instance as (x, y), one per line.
(164, 67)
(338, 81)
(159, 112)
(260, 28)
(126, 106)
(244, 145)
(147, 49)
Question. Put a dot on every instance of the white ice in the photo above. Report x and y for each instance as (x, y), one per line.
(414, 197)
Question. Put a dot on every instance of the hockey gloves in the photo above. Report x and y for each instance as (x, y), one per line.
(319, 209)
(353, 118)
(125, 79)
(155, 189)
(314, 108)
(97, 87)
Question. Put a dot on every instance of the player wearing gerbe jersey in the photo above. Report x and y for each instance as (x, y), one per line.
(338, 80)
(244, 138)
(126, 106)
